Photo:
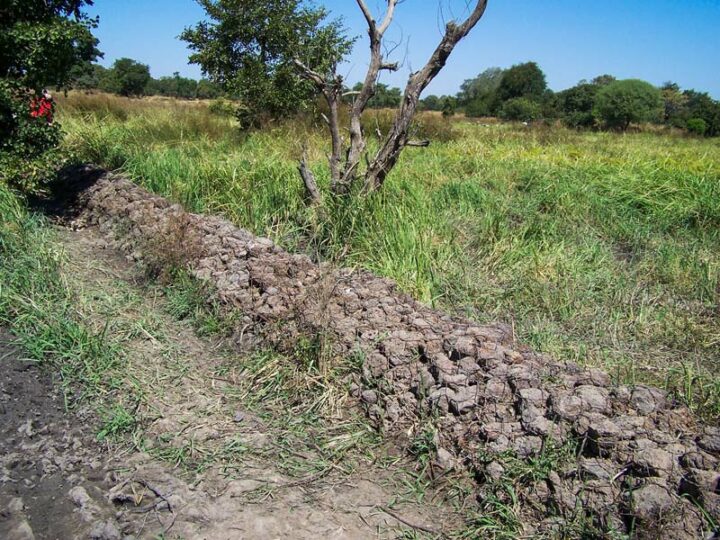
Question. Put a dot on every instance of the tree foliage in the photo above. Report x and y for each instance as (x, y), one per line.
(479, 95)
(631, 100)
(249, 47)
(522, 80)
(127, 77)
(41, 41)
(521, 109)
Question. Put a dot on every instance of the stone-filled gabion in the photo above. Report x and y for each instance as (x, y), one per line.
(644, 462)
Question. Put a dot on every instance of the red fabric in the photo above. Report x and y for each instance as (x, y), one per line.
(42, 108)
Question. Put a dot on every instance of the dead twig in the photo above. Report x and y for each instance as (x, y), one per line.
(409, 523)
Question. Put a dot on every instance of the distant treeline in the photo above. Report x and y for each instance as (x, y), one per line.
(521, 93)
(127, 77)
(517, 93)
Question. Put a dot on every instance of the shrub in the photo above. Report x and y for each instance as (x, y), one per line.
(631, 100)
(697, 126)
(222, 107)
(521, 109)
(579, 119)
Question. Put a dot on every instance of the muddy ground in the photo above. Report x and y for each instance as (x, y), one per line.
(58, 482)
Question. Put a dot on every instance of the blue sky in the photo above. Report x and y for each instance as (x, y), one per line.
(655, 40)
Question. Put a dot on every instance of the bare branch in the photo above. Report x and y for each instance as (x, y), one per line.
(366, 12)
(308, 177)
(311, 75)
(388, 17)
(421, 144)
(394, 66)
(357, 140)
(397, 139)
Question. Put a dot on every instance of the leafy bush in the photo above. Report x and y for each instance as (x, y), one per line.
(40, 43)
(697, 126)
(222, 107)
(579, 119)
(631, 100)
(521, 109)
(24, 158)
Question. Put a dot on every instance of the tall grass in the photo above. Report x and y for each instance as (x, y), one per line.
(598, 248)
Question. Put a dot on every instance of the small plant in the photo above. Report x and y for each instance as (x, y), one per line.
(116, 421)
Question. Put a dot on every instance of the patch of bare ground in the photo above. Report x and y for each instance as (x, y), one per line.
(189, 450)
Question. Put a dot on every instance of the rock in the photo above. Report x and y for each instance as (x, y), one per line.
(698, 460)
(527, 446)
(466, 346)
(462, 400)
(105, 530)
(540, 425)
(455, 381)
(469, 365)
(79, 497)
(492, 430)
(599, 469)
(646, 400)
(698, 484)
(494, 470)
(369, 396)
(594, 398)
(651, 501)
(568, 407)
(533, 396)
(497, 390)
(710, 440)
(602, 434)
(18, 529)
(445, 460)
(653, 462)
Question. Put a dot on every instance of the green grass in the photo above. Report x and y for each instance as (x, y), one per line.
(49, 317)
(598, 248)
(39, 307)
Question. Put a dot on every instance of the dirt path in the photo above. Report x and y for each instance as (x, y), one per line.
(200, 464)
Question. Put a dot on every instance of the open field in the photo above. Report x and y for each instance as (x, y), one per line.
(598, 248)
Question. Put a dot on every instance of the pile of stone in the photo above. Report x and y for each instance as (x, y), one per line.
(643, 462)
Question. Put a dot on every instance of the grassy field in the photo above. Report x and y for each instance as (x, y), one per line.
(599, 248)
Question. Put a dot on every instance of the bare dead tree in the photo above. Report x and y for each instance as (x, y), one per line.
(344, 170)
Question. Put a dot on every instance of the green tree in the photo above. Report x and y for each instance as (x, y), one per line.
(701, 105)
(87, 76)
(521, 109)
(522, 80)
(631, 100)
(675, 111)
(431, 103)
(697, 126)
(128, 77)
(250, 48)
(603, 80)
(208, 90)
(448, 106)
(576, 104)
(478, 95)
(40, 43)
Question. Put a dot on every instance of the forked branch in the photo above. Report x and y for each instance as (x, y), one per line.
(344, 174)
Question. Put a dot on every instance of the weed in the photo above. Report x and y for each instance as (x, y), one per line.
(117, 421)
